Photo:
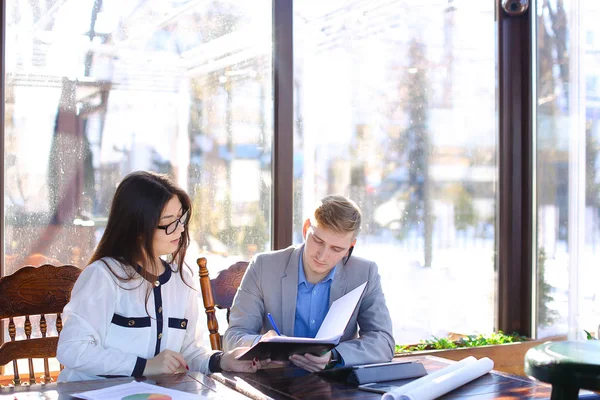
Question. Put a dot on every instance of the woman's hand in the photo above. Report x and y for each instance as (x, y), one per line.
(166, 362)
(229, 362)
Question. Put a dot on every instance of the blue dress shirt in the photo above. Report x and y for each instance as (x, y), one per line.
(312, 303)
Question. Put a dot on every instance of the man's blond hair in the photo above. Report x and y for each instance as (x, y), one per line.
(339, 214)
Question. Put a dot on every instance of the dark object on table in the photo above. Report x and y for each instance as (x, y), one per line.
(568, 366)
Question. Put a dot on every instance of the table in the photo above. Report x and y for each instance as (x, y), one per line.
(190, 382)
(294, 383)
(567, 365)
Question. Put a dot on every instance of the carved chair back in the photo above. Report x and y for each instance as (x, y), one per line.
(34, 291)
(219, 292)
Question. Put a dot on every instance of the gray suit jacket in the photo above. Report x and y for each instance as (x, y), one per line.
(270, 285)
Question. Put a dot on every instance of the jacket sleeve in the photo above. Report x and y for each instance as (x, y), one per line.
(87, 317)
(192, 349)
(375, 342)
(246, 317)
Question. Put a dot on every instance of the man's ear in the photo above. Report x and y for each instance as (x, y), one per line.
(350, 250)
(305, 227)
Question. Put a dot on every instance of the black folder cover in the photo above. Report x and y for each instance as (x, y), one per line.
(281, 351)
(361, 374)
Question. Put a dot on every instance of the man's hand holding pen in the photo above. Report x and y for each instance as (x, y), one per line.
(269, 334)
(274, 332)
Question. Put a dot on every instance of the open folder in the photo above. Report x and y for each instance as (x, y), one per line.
(281, 347)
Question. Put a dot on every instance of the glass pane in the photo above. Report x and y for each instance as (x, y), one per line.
(388, 113)
(568, 133)
(97, 89)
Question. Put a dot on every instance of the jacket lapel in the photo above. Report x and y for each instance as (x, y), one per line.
(338, 284)
(289, 293)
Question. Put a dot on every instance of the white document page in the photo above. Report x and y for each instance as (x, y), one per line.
(136, 388)
(339, 314)
(335, 321)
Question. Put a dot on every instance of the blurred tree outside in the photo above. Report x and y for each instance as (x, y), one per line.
(546, 315)
(465, 214)
(552, 161)
(592, 185)
(255, 236)
(213, 217)
(416, 145)
(553, 102)
(205, 218)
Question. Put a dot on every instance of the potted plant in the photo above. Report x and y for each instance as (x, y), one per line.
(507, 351)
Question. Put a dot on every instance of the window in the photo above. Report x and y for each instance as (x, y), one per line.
(401, 117)
(568, 197)
(388, 113)
(179, 87)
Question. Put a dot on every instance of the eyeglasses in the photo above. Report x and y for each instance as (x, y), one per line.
(172, 227)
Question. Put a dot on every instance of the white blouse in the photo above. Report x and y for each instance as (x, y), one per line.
(111, 330)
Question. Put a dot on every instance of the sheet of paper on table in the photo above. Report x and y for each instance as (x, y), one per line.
(136, 391)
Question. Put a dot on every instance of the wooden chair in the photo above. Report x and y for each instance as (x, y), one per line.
(34, 291)
(219, 293)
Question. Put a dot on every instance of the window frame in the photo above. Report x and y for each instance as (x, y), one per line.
(515, 248)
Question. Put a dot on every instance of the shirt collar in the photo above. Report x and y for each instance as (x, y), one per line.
(153, 279)
(302, 276)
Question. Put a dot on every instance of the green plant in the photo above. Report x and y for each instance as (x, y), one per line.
(589, 336)
(468, 341)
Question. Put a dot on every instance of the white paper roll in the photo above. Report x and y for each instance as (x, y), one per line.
(398, 392)
(449, 381)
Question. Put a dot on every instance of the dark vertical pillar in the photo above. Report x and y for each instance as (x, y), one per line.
(515, 191)
(283, 141)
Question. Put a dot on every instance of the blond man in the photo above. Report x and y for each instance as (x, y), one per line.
(297, 286)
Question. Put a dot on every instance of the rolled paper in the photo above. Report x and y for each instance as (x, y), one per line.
(442, 381)
(396, 393)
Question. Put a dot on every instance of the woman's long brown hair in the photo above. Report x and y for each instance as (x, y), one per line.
(132, 222)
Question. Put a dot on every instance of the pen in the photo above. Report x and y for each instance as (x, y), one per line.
(273, 323)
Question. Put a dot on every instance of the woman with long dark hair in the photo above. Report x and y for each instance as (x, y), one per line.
(131, 312)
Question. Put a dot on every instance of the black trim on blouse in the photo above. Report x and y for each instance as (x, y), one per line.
(158, 308)
(157, 282)
(178, 323)
(130, 322)
(153, 279)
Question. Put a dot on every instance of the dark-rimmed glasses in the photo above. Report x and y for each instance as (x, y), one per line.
(172, 227)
